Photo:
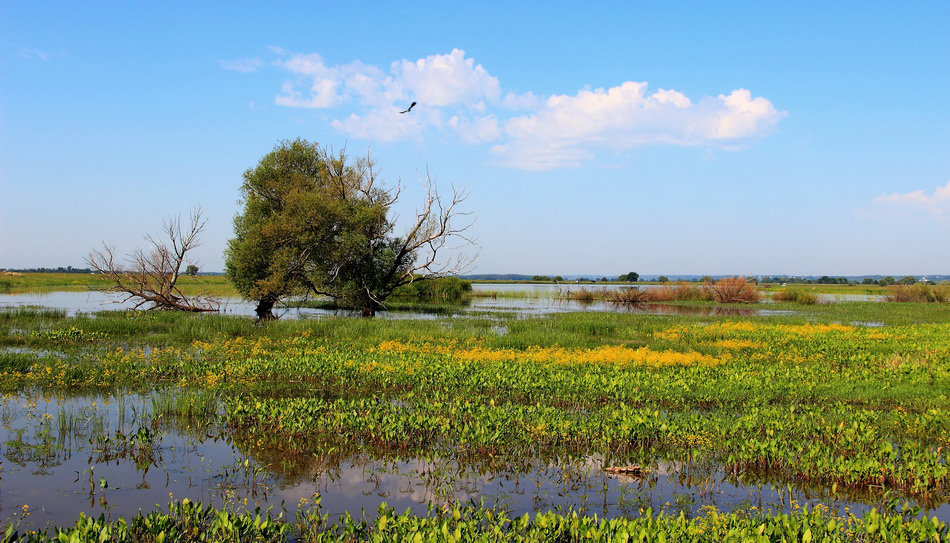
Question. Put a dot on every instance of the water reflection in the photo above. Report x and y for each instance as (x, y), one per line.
(548, 305)
(545, 303)
(88, 302)
(114, 455)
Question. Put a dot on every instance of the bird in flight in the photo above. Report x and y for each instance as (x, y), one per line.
(408, 109)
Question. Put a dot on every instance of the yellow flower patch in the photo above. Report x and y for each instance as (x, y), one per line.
(610, 354)
(736, 344)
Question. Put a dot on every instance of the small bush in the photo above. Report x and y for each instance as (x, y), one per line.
(735, 290)
(443, 289)
(579, 295)
(681, 292)
(920, 292)
(627, 296)
(798, 296)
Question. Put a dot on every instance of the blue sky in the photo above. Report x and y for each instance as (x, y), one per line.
(601, 138)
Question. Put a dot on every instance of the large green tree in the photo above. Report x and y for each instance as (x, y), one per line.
(317, 223)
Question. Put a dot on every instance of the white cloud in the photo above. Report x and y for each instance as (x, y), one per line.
(526, 100)
(567, 130)
(29, 52)
(461, 99)
(479, 130)
(380, 124)
(937, 203)
(442, 80)
(243, 65)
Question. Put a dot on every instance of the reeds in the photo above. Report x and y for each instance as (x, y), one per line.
(735, 290)
(680, 292)
(798, 296)
(730, 290)
(921, 292)
(628, 296)
(580, 295)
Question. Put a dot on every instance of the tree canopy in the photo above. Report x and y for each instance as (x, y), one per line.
(317, 223)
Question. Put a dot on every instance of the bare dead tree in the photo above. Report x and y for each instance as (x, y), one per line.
(439, 227)
(150, 276)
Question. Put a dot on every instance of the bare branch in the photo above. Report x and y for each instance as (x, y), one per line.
(429, 237)
(151, 275)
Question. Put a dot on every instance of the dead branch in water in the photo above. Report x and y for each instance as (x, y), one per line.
(151, 276)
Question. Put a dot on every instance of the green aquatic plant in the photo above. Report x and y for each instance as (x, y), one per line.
(186, 521)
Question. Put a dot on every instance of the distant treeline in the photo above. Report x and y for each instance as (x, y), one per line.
(70, 269)
(872, 280)
(808, 279)
(67, 269)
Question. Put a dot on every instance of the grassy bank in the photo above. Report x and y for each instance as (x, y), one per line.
(213, 285)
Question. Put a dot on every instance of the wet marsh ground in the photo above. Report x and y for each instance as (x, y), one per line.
(821, 417)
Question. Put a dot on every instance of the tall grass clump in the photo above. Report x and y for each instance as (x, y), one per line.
(29, 312)
(681, 292)
(797, 296)
(443, 289)
(579, 295)
(627, 296)
(920, 292)
(735, 290)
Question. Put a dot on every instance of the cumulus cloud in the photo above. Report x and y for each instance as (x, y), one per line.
(459, 98)
(443, 80)
(243, 65)
(567, 129)
(937, 203)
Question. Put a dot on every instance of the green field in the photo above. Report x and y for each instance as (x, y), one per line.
(815, 401)
(214, 285)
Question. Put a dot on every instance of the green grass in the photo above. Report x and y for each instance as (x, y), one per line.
(213, 285)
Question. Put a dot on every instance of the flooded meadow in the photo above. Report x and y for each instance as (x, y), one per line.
(511, 405)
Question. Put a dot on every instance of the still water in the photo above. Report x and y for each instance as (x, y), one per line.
(115, 455)
(535, 299)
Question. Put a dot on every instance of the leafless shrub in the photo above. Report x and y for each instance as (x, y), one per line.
(579, 295)
(735, 290)
(680, 292)
(627, 296)
(150, 276)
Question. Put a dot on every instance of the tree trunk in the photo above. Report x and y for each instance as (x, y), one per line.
(369, 311)
(265, 306)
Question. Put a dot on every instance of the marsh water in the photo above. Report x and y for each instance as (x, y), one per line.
(117, 454)
(517, 299)
(120, 453)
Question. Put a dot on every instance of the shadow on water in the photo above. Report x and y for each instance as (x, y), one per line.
(115, 455)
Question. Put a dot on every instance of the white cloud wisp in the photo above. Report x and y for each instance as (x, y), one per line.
(937, 203)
